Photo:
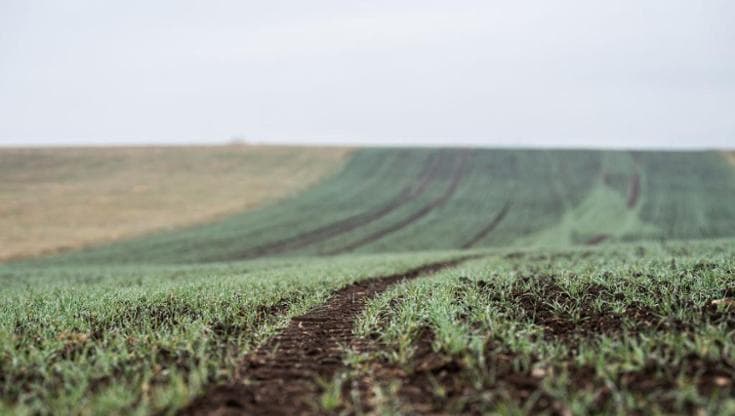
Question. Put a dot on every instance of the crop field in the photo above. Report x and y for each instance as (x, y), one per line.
(54, 200)
(388, 281)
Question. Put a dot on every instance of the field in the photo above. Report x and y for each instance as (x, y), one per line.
(58, 199)
(409, 281)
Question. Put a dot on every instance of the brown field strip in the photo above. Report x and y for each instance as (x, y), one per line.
(328, 231)
(280, 377)
(54, 199)
(437, 202)
(730, 156)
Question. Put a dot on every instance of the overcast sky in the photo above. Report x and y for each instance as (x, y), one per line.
(553, 73)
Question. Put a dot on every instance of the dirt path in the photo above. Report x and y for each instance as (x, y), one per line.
(425, 210)
(490, 227)
(280, 377)
(406, 195)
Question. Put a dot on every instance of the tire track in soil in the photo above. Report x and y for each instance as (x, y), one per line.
(634, 193)
(597, 239)
(634, 190)
(485, 231)
(425, 210)
(279, 378)
(406, 195)
(634, 184)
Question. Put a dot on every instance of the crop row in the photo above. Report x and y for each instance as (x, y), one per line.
(631, 329)
(129, 339)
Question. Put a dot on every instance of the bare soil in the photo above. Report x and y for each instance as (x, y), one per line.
(436, 384)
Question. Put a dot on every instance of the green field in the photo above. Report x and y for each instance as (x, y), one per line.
(601, 282)
(389, 200)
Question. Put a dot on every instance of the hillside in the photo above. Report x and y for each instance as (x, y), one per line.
(395, 200)
(404, 281)
(59, 199)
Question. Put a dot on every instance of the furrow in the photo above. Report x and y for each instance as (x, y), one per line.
(485, 231)
(408, 194)
(417, 215)
(281, 377)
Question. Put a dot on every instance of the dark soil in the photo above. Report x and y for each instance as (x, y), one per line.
(280, 377)
(417, 215)
(501, 381)
(542, 301)
(435, 383)
(597, 239)
(406, 195)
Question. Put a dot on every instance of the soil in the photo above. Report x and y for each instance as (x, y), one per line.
(485, 231)
(532, 299)
(459, 393)
(425, 210)
(435, 383)
(280, 377)
(406, 195)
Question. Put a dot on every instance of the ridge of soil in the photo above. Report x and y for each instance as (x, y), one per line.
(280, 377)
(425, 210)
(407, 194)
(485, 231)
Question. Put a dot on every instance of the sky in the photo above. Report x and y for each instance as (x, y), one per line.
(624, 73)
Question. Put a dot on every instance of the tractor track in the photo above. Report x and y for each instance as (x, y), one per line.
(634, 194)
(328, 231)
(485, 231)
(634, 190)
(417, 215)
(280, 377)
(634, 184)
